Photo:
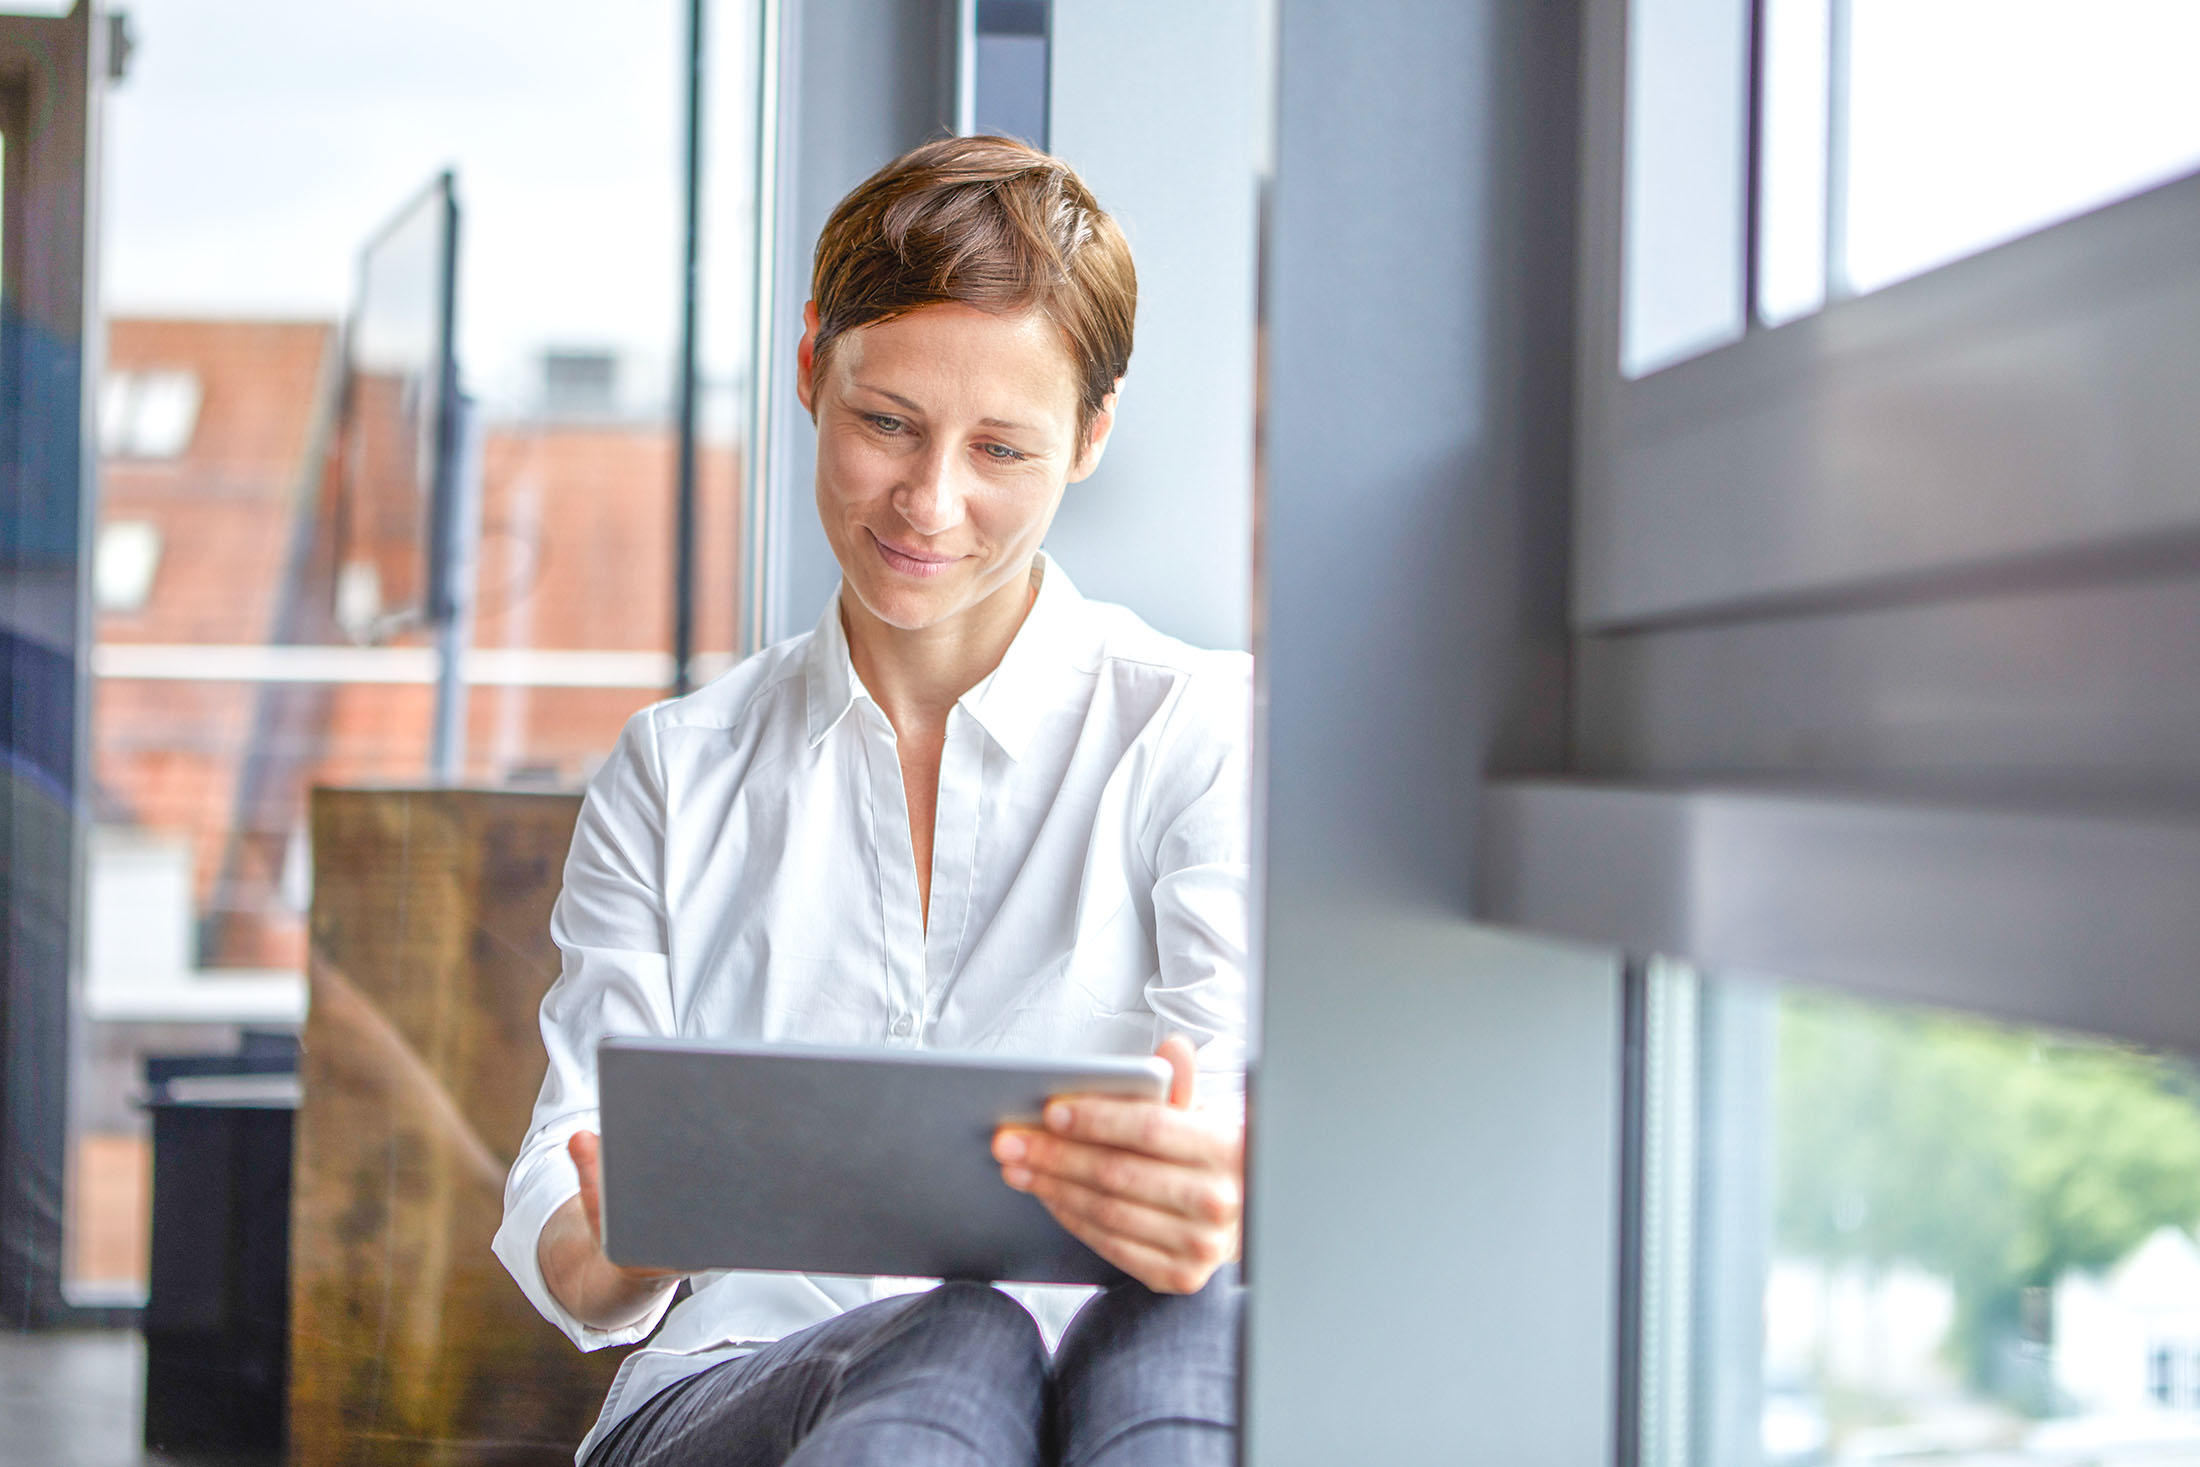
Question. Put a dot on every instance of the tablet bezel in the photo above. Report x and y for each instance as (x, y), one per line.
(857, 1161)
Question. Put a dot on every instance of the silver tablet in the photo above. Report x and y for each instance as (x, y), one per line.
(852, 1161)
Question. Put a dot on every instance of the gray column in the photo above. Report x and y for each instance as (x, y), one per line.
(1434, 1180)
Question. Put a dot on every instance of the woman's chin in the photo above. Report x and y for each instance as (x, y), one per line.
(908, 608)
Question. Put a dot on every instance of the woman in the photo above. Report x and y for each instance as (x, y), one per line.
(971, 810)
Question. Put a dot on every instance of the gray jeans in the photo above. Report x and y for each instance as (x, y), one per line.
(959, 1377)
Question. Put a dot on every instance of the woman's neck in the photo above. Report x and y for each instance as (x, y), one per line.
(916, 676)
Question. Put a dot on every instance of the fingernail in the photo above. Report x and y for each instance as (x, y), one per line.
(1009, 1146)
(1057, 1117)
(1016, 1177)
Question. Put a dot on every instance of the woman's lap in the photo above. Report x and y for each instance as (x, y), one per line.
(1144, 1378)
(960, 1376)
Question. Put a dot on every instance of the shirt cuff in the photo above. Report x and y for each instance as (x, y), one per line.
(517, 1247)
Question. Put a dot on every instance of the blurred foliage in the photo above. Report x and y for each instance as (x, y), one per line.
(1996, 1157)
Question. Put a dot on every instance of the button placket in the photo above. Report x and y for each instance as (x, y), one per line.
(954, 853)
(903, 920)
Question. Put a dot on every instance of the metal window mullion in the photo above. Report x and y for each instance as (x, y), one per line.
(1753, 152)
(756, 628)
(1627, 1373)
(683, 532)
(1838, 25)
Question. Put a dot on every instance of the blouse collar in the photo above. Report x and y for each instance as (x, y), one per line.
(1008, 703)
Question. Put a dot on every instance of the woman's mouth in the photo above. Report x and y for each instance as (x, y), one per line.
(912, 562)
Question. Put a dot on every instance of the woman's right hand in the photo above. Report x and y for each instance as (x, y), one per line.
(581, 1276)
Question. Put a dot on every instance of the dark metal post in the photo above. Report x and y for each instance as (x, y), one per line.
(683, 545)
(450, 570)
(1633, 1117)
(1753, 182)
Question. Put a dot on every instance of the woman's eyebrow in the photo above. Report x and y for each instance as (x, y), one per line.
(892, 397)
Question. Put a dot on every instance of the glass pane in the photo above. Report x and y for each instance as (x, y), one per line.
(1791, 172)
(260, 626)
(1973, 121)
(1687, 150)
(1898, 1233)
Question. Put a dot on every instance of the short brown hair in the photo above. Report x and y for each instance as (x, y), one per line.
(987, 222)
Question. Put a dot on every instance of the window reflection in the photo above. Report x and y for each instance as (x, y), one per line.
(258, 626)
(1892, 1232)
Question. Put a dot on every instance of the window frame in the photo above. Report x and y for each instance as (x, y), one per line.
(1725, 485)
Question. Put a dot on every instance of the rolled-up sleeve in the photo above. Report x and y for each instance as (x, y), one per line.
(1199, 843)
(609, 925)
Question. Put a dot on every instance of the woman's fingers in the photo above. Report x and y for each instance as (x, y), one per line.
(1162, 1203)
(1163, 1270)
(586, 1149)
(1208, 1195)
(1191, 1137)
(1183, 1069)
(1087, 1212)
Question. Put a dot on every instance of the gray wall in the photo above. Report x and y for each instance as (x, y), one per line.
(1435, 1117)
(1157, 104)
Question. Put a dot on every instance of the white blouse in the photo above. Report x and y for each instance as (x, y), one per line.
(742, 869)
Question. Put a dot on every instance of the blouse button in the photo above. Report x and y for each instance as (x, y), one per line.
(904, 1027)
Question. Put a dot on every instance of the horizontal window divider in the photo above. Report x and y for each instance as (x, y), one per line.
(2076, 916)
(541, 667)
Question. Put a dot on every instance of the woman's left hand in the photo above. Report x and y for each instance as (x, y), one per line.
(1154, 1187)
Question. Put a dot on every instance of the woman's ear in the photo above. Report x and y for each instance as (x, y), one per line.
(1096, 437)
(805, 361)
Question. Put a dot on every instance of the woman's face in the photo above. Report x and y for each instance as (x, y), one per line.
(944, 440)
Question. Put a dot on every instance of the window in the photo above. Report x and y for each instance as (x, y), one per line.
(1687, 155)
(1889, 137)
(1970, 122)
(148, 414)
(124, 561)
(1874, 1230)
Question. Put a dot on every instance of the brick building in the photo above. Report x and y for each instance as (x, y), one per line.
(225, 688)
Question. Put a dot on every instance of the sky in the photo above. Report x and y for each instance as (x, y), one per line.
(256, 144)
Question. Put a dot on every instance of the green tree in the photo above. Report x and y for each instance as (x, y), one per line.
(1996, 1157)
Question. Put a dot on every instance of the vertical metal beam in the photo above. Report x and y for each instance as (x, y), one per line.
(455, 629)
(1753, 187)
(758, 460)
(966, 67)
(50, 352)
(450, 589)
(683, 519)
(1633, 1097)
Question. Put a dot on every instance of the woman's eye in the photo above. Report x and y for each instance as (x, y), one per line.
(1001, 453)
(884, 422)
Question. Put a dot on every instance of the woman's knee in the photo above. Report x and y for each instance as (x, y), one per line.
(980, 1322)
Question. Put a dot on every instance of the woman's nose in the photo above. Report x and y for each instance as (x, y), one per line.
(930, 498)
